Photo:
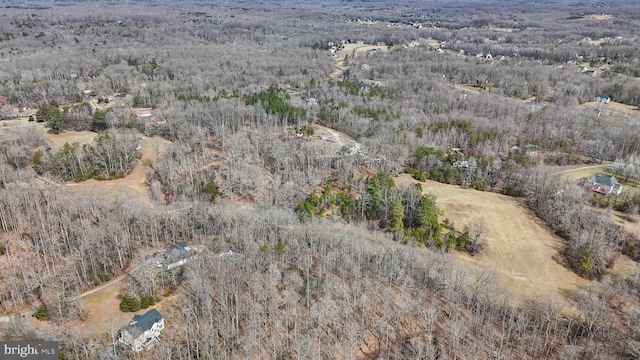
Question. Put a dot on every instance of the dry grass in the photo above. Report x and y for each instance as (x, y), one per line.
(348, 49)
(625, 267)
(57, 141)
(467, 88)
(631, 223)
(433, 43)
(584, 173)
(623, 114)
(134, 185)
(102, 310)
(520, 249)
(598, 17)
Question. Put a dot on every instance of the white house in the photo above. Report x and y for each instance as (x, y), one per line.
(603, 184)
(178, 254)
(602, 98)
(143, 331)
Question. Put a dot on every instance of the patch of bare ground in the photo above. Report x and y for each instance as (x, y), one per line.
(520, 252)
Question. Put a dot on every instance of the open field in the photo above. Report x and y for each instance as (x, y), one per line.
(433, 43)
(598, 17)
(103, 315)
(615, 108)
(134, 185)
(577, 172)
(520, 249)
(351, 50)
(57, 141)
(102, 310)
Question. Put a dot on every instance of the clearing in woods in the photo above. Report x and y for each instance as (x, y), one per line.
(520, 249)
(102, 310)
(351, 50)
(134, 185)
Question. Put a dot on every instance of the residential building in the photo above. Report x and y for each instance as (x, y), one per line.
(178, 254)
(602, 98)
(143, 331)
(603, 184)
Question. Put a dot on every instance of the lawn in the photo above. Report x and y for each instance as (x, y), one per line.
(520, 249)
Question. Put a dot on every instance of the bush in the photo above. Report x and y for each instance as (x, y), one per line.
(280, 248)
(3, 249)
(210, 189)
(41, 314)
(512, 191)
(479, 184)
(129, 304)
(146, 301)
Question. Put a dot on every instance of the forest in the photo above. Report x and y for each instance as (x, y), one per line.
(343, 169)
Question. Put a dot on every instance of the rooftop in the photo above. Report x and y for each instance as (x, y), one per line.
(142, 323)
(603, 179)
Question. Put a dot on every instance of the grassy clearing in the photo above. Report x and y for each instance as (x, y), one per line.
(102, 310)
(520, 249)
(57, 141)
(132, 186)
(585, 173)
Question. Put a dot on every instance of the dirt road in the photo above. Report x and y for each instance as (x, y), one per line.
(9, 318)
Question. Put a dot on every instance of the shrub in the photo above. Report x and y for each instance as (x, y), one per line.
(129, 304)
(41, 314)
(146, 301)
(280, 248)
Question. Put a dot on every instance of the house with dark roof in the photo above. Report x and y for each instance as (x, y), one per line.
(178, 254)
(603, 184)
(602, 98)
(143, 331)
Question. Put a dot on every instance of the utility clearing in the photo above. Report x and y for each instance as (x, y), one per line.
(520, 250)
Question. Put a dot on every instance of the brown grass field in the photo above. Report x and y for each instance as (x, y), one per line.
(520, 249)
(57, 141)
(584, 173)
(102, 310)
(134, 185)
(349, 49)
(598, 17)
